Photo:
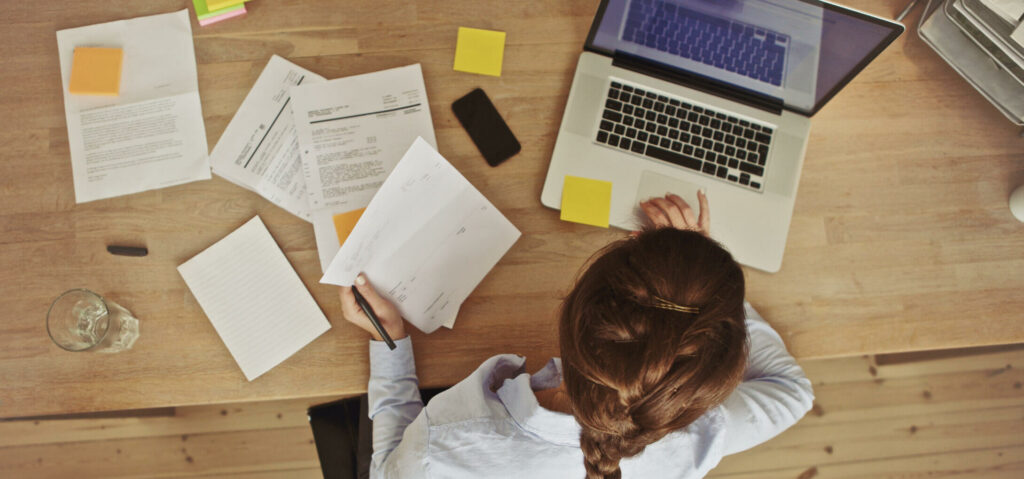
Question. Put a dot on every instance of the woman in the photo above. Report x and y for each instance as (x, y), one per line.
(664, 370)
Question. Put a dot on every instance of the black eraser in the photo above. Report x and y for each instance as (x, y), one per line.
(128, 250)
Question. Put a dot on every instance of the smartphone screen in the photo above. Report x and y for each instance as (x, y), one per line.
(486, 127)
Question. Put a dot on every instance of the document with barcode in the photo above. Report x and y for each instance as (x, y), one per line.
(254, 298)
(259, 150)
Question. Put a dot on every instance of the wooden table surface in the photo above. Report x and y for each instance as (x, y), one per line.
(901, 238)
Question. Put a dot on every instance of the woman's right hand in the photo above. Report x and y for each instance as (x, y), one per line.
(386, 312)
(674, 212)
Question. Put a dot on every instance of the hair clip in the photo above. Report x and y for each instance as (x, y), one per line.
(664, 304)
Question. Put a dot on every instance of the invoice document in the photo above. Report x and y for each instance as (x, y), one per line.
(259, 149)
(352, 131)
(426, 240)
(150, 135)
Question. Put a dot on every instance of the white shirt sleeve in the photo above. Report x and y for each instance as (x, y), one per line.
(394, 399)
(774, 393)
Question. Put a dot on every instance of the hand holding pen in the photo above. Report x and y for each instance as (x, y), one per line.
(363, 307)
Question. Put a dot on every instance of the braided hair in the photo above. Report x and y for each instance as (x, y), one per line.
(635, 370)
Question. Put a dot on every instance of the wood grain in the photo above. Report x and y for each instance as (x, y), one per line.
(871, 419)
(901, 239)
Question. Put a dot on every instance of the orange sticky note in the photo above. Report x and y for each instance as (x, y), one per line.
(345, 222)
(96, 71)
(586, 201)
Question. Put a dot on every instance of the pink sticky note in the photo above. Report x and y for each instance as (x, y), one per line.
(219, 18)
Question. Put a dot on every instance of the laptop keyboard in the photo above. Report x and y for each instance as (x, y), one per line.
(748, 50)
(692, 136)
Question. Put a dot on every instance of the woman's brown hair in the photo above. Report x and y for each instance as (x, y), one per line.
(636, 370)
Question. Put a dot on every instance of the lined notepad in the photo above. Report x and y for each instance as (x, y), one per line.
(254, 298)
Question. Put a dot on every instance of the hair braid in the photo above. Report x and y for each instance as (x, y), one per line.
(634, 372)
(599, 462)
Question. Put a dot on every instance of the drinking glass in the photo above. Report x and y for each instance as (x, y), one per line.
(81, 320)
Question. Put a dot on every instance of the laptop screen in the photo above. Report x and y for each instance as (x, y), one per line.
(797, 52)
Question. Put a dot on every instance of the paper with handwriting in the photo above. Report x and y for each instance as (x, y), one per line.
(426, 240)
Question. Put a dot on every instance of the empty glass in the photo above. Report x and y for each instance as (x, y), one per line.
(80, 320)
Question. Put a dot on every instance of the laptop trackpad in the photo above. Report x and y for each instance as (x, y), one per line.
(658, 185)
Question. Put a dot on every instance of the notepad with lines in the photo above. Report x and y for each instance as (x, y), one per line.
(254, 298)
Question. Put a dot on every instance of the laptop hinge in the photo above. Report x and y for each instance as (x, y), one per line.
(697, 82)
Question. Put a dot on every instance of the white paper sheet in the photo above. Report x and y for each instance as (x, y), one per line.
(1009, 10)
(426, 240)
(259, 149)
(327, 244)
(352, 132)
(149, 136)
(253, 297)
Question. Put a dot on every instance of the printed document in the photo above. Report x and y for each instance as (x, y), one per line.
(149, 136)
(254, 298)
(353, 130)
(426, 240)
(259, 149)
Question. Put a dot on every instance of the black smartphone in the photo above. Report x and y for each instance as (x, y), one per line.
(486, 128)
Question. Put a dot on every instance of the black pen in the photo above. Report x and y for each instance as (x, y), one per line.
(361, 301)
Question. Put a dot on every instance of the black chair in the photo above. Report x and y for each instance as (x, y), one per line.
(342, 431)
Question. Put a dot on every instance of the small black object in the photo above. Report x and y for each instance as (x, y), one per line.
(368, 310)
(342, 433)
(128, 250)
(487, 129)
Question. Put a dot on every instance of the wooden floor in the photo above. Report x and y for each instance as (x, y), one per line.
(951, 415)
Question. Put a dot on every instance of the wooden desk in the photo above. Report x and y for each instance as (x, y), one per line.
(901, 240)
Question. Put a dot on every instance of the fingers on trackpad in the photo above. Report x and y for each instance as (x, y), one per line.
(657, 185)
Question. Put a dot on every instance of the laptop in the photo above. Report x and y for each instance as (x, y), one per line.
(680, 95)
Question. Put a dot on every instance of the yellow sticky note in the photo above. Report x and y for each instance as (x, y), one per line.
(479, 51)
(345, 222)
(586, 201)
(95, 71)
(219, 4)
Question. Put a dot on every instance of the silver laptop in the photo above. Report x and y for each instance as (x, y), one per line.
(679, 95)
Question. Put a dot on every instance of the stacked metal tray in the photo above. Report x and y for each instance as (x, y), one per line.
(983, 62)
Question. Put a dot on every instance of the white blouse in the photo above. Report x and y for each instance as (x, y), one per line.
(491, 425)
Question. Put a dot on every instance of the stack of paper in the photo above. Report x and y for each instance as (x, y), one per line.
(426, 240)
(253, 297)
(209, 12)
(320, 149)
(146, 131)
(259, 150)
(352, 131)
(1011, 11)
